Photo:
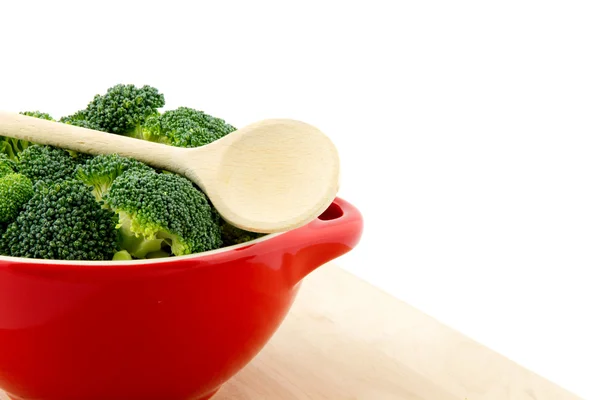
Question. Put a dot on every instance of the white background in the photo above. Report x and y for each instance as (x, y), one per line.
(468, 132)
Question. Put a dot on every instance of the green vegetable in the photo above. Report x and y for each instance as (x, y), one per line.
(158, 254)
(60, 204)
(185, 127)
(162, 212)
(80, 158)
(99, 172)
(38, 114)
(79, 119)
(62, 221)
(47, 163)
(121, 110)
(15, 191)
(122, 255)
(7, 166)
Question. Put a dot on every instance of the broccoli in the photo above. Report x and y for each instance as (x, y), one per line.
(160, 211)
(121, 110)
(99, 172)
(60, 204)
(15, 191)
(62, 221)
(80, 158)
(38, 114)
(79, 119)
(10, 147)
(47, 163)
(7, 165)
(185, 127)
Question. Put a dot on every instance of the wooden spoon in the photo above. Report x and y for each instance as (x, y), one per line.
(270, 176)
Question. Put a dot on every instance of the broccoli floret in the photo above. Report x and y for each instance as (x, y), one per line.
(47, 163)
(153, 214)
(121, 110)
(7, 166)
(80, 158)
(15, 191)
(185, 127)
(62, 221)
(79, 119)
(162, 211)
(38, 114)
(99, 172)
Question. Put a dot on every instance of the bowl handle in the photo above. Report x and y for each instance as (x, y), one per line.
(335, 232)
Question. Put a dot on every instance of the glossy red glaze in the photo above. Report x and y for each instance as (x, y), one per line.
(170, 329)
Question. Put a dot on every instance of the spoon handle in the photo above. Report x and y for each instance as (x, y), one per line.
(85, 140)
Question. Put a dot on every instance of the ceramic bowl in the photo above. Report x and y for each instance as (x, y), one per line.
(164, 329)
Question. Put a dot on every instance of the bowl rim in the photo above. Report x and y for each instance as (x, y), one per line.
(125, 263)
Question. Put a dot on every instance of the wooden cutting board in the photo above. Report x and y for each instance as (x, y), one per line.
(346, 340)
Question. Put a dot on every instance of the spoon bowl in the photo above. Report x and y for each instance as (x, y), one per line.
(282, 173)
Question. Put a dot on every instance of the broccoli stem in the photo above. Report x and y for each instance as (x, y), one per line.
(138, 247)
(158, 254)
(122, 255)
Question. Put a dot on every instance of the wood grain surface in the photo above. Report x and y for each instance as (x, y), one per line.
(346, 340)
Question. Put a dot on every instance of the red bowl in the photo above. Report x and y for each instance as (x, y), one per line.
(164, 329)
